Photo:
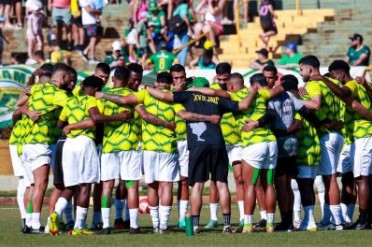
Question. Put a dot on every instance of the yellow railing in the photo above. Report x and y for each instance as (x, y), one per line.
(196, 39)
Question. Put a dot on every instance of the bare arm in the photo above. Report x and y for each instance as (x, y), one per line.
(117, 99)
(340, 92)
(97, 117)
(247, 101)
(314, 103)
(360, 60)
(195, 117)
(160, 95)
(92, 11)
(362, 81)
(150, 118)
(85, 124)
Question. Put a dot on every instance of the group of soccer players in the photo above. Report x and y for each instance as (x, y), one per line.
(278, 138)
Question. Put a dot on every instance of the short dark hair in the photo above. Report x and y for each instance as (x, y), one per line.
(60, 67)
(136, 68)
(339, 65)
(258, 78)
(72, 71)
(164, 77)
(290, 82)
(93, 81)
(121, 73)
(39, 53)
(223, 68)
(270, 68)
(237, 76)
(104, 67)
(310, 60)
(47, 68)
(177, 68)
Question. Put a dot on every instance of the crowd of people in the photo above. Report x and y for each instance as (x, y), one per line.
(280, 139)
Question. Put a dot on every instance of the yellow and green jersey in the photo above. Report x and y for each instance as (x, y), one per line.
(215, 86)
(255, 112)
(330, 108)
(157, 138)
(347, 129)
(180, 124)
(361, 127)
(229, 125)
(77, 110)
(119, 135)
(308, 144)
(48, 100)
(17, 133)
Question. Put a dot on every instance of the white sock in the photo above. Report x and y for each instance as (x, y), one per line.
(60, 206)
(270, 217)
(20, 196)
(320, 188)
(344, 211)
(154, 212)
(336, 214)
(241, 210)
(81, 215)
(213, 209)
(68, 212)
(105, 217)
(183, 208)
(97, 218)
(133, 214)
(326, 214)
(36, 221)
(164, 212)
(248, 219)
(350, 212)
(297, 201)
(29, 219)
(119, 206)
(263, 215)
(127, 216)
(309, 216)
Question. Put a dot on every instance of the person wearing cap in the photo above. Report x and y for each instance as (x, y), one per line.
(156, 16)
(291, 57)
(262, 61)
(207, 60)
(162, 60)
(358, 54)
(115, 59)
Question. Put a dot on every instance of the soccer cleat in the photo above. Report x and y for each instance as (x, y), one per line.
(26, 229)
(283, 227)
(119, 224)
(40, 230)
(364, 226)
(77, 232)
(135, 230)
(269, 227)
(240, 227)
(296, 223)
(226, 230)
(247, 228)
(196, 231)
(96, 227)
(211, 224)
(54, 224)
(181, 223)
(106, 231)
(260, 224)
(330, 227)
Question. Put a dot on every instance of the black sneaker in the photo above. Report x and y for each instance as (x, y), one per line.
(364, 226)
(135, 230)
(96, 227)
(282, 227)
(260, 224)
(26, 229)
(41, 230)
(105, 231)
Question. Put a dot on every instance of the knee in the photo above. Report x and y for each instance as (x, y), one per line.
(238, 179)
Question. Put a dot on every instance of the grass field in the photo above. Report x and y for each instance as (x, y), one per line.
(11, 236)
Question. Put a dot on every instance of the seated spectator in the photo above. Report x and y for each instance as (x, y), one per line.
(291, 58)
(162, 60)
(116, 59)
(267, 16)
(208, 60)
(358, 54)
(212, 13)
(59, 55)
(262, 61)
(39, 57)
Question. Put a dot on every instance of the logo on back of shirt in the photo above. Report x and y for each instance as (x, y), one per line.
(200, 97)
(198, 129)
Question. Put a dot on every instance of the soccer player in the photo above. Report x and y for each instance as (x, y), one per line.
(327, 107)
(362, 131)
(163, 59)
(47, 99)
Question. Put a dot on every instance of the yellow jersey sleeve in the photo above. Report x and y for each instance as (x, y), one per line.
(265, 94)
(313, 89)
(60, 99)
(91, 102)
(178, 108)
(140, 95)
(353, 86)
(101, 106)
(64, 114)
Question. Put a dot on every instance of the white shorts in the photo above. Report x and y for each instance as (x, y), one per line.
(124, 164)
(18, 168)
(161, 167)
(362, 157)
(346, 161)
(183, 158)
(80, 161)
(234, 152)
(307, 171)
(131, 38)
(261, 155)
(330, 149)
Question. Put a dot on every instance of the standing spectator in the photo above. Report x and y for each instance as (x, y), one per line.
(2, 39)
(130, 34)
(142, 38)
(207, 60)
(358, 54)
(137, 7)
(35, 18)
(77, 26)
(61, 16)
(262, 61)
(89, 18)
(291, 58)
(116, 59)
(17, 8)
(163, 59)
(267, 15)
(156, 16)
(182, 38)
(5, 14)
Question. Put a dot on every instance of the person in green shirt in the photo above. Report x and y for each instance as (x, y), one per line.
(291, 58)
(358, 54)
(116, 59)
(163, 59)
(156, 16)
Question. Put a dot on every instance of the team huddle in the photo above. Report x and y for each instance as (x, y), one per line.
(280, 139)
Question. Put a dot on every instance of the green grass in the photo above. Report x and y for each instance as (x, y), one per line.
(11, 236)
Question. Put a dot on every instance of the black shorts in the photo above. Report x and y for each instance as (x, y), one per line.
(286, 166)
(58, 169)
(205, 160)
(77, 21)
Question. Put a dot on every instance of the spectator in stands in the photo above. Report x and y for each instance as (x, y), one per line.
(208, 60)
(291, 58)
(77, 26)
(17, 8)
(262, 60)
(169, 6)
(182, 10)
(2, 39)
(162, 60)
(59, 55)
(153, 37)
(267, 16)
(35, 18)
(7, 7)
(143, 38)
(137, 7)
(212, 17)
(156, 16)
(89, 16)
(245, 7)
(130, 39)
(39, 57)
(61, 17)
(358, 54)
(116, 59)
(15, 59)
